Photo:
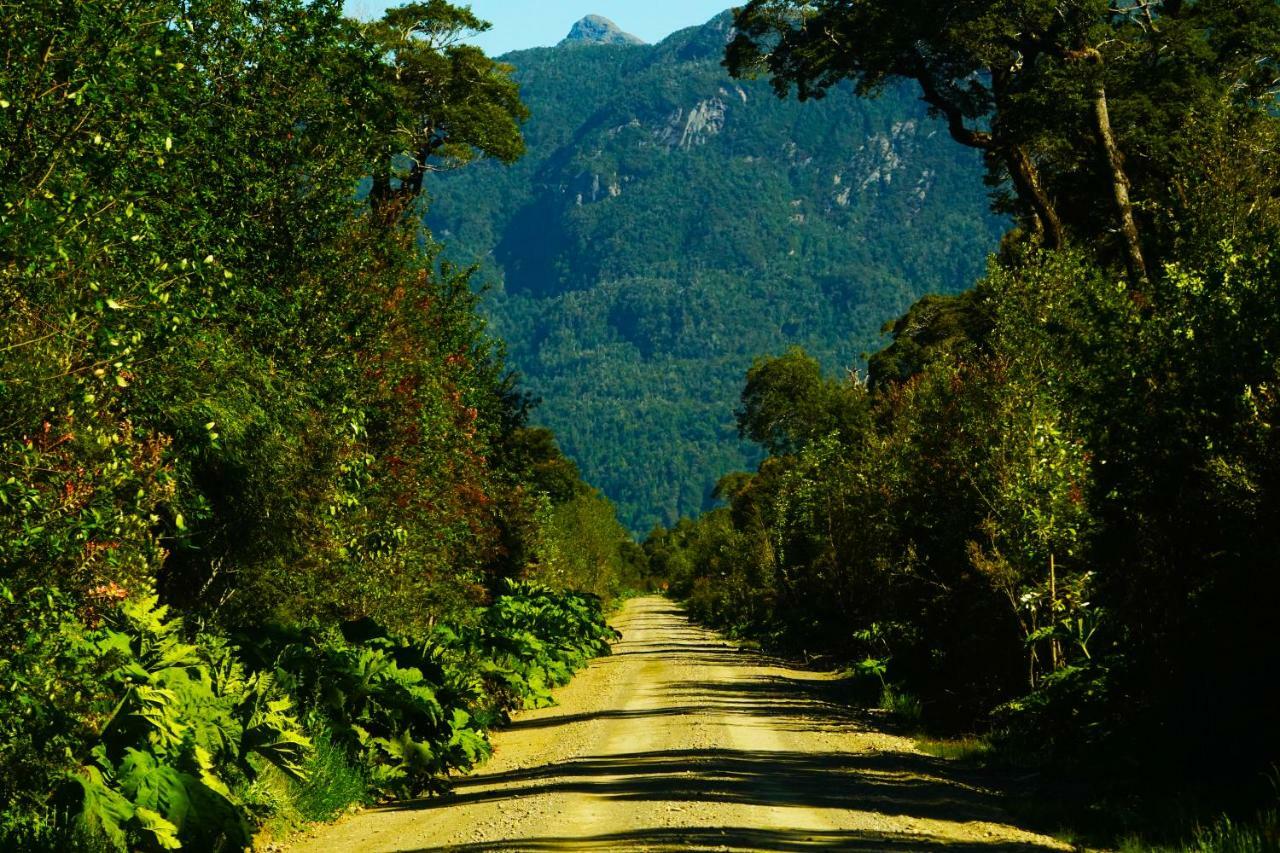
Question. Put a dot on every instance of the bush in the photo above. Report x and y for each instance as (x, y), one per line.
(127, 735)
(152, 730)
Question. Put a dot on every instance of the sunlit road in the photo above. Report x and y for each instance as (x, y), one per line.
(680, 741)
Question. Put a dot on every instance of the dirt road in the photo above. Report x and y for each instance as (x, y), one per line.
(680, 741)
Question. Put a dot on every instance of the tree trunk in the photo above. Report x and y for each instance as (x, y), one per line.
(1022, 169)
(1134, 259)
(1119, 187)
(1026, 180)
(380, 192)
(418, 171)
(390, 203)
(1055, 650)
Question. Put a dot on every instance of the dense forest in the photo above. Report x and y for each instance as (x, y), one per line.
(276, 535)
(279, 534)
(1049, 508)
(669, 223)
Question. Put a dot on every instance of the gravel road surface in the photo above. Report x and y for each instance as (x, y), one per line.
(680, 741)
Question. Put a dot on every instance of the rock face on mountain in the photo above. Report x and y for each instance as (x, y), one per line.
(669, 224)
(595, 29)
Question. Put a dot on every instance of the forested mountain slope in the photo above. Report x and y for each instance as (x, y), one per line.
(669, 224)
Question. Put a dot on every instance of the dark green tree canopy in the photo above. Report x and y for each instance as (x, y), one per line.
(943, 324)
(534, 449)
(1081, 107)
(445, 102)
(788, 403)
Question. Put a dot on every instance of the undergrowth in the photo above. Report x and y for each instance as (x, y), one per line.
(969, 748)
(1224, 835)
(170, 737)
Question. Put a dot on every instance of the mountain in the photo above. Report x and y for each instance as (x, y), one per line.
(595, 29)
(669, 224)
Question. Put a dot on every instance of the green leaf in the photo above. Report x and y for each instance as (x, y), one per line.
(163, 833)
(103, 810)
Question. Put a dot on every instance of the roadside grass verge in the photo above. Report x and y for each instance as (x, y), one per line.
(1078, 814)
(333, 785)
(970, 748)
(1224, 835)
(905, 708)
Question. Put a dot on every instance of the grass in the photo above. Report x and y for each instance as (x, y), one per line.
(333, 784)
(1224, 836)
(283, 805)
(972, 749)
(905, 707)
(47, 832)
(1127, 817)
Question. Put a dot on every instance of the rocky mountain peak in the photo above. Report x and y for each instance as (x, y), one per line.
(596, 29)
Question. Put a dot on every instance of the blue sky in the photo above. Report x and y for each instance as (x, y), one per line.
(537, 23)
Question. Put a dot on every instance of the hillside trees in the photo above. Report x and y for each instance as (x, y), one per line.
(638, 346)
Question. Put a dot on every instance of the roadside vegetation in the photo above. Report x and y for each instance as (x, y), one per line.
(276, 533)
(1047, 511)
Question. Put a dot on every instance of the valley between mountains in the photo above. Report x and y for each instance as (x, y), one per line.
(682, 741)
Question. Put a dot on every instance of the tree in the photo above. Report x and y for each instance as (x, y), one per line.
(787, 403)
(445, 102)
(935, 325)
(1051, 92)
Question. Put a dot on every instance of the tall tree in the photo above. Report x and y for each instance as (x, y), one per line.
(967, 58)
(447, 102)
(1052, 92)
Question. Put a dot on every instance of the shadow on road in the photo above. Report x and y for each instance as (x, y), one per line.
(738, 838)
(791, 703)
(787, 703)
(885, 783)
(897, 784)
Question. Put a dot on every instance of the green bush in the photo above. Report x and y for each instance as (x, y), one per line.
(154, 731)
(128, 736)
(533, 639)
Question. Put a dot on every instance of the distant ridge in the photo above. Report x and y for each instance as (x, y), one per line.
(596, 29)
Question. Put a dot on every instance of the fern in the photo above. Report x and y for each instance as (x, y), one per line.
(186, 717)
